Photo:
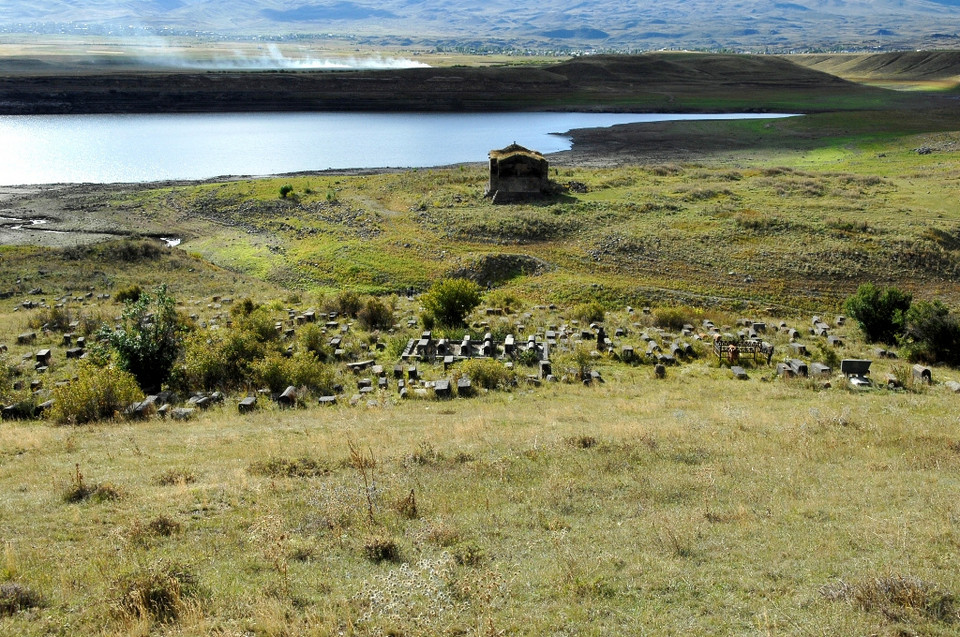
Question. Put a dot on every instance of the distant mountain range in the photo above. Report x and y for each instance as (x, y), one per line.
(595, 24)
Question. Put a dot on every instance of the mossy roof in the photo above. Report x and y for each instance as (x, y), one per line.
(515, 149)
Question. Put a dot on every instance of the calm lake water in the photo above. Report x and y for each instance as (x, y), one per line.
(39, 149)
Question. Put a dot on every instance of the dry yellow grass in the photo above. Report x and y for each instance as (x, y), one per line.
(697, 505)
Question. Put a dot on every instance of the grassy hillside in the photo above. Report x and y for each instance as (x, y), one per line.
(926, 70)
(756, 226)
(652, 82)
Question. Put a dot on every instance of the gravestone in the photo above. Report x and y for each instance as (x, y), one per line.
(441, 389)
(785, 371)
(464, 388)
(819, 369)
(855, 367)
(289, 397)
(799, 367)
(739, 373)
(247, 405)
(545, 369)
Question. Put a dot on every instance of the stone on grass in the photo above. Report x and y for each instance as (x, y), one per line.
(289, 397)
(247, 405)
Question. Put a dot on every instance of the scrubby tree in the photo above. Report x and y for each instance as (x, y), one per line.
(148, 339)
(881, 312)
(375, 315)
(449, 301)
(932, 334)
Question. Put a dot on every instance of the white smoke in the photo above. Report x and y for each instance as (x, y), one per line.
(272, 58)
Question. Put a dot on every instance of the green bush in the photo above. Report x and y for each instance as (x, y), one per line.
(313, 340)
(375, 315)
(131, 293)
(488, 373)
(222, 360)
(96, 394)
(55, 319)
(592, 312)
(259, 324)
(149, 338)
(576, 364)
(449, 301)
(669, 318)
(347, 303)
(278, 372)
(932, 334)
(881, 313)
(285, 190)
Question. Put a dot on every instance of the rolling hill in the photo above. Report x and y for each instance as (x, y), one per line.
(606, 24)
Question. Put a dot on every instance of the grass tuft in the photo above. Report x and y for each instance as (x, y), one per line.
(379, 549)
(159, 593)
(15, 597)
(898, 598)
(302, 467)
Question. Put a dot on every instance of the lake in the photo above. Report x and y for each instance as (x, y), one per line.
(41, 149)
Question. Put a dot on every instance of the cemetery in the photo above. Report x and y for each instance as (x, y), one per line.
(379, 367)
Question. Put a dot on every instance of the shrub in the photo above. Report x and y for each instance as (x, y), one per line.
(131, 250)
(244, 308)
(468, 554)
(158, 593)
(505, 300)
(346, 303)
(172, 477)
(932, 334)
(302, 467)
(223, 360)
(592, 312)
(150, 338)
(131, 293)
(301, 370)
(881, 313)
(577, 363)
(259, 324)
(375, 315)
(285, 190)
(80, 490)
(669, 318)
(96, 394)
(488, 373)
(15, 597)
(56, 319)
(381, 549)
(162, 526)
(898, 598)
(449, 301)
(313, 340)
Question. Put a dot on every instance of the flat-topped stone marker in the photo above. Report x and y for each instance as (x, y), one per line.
(739, 373)
(441, 389)
(247, 405)
(819, 369)
(855, 367)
